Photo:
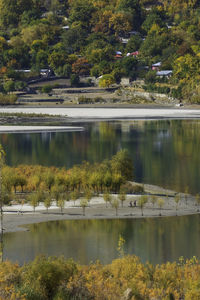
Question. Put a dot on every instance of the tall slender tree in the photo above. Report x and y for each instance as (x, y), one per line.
(2, 156)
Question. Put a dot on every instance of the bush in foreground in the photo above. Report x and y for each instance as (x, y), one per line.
(56, 278)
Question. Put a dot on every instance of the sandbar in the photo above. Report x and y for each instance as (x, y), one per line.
(17, 217)
(38, 129)
(82, 113)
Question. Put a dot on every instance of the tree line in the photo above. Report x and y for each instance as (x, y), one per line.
(107, 176)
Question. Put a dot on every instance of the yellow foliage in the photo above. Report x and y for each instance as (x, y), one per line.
(99, 282)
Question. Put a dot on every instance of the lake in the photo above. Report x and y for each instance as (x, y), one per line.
(156, 240)
(164, 152)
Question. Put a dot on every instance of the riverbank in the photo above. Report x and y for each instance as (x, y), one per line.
(74, 114)
(16, 217)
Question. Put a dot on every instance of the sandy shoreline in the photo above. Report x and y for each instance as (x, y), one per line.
(38, 129)
(81, 113)
(16, 217)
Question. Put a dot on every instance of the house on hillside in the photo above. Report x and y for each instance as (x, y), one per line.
(156, 66)
(124, 40)
(65, 27)
(25, 71)
(118, 54)
(46, 72)
(133, 54)
(43, 72)
(164, 73)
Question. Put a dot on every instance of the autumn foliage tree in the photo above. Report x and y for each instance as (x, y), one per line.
(81, 66)
(106, 81)
(58, 278)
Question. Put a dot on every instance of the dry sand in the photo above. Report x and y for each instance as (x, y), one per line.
(81, 113)
(36, 129)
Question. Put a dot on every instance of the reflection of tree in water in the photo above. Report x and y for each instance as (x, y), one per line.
(154, 239)
(169, 154)
(77, 226)
(164, 152)
(107, 131)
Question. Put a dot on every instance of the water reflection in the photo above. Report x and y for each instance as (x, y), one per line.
(165, 152)
(153, 239)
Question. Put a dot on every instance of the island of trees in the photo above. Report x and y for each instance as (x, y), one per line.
(153, 40)
(111, 180)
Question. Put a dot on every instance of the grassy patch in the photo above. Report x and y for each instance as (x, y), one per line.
(8, 99)
(27, 115)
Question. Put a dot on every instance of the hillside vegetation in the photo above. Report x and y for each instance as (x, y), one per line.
(93, 37)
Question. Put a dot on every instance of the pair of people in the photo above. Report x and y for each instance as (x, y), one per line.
(131, 203)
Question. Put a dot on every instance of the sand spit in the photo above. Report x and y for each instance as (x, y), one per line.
(16, 216)
(110, 113)
(38, 129)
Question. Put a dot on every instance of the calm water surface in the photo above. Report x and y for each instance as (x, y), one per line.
(156, 240)
(164, 152)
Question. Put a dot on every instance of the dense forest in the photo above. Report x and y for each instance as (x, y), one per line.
(114, 38)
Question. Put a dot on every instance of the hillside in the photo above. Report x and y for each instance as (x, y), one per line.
(116, 38)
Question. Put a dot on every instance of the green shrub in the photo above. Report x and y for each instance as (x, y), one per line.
(20, 85)
(163, 89)
(150, 87)
(46, 89)
(74, 80)
(98, 99)
(9, 86)
(195, 99)
(176, 93)
(129, 188)
(150, 77)
(42, 278)
(64, 71)
(7, 99)
(106, 80)
(89, 82)
(138, 189)
(86, 100)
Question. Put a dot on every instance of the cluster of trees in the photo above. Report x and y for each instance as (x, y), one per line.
(78, 37)
(106, 176)
(125, 278)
